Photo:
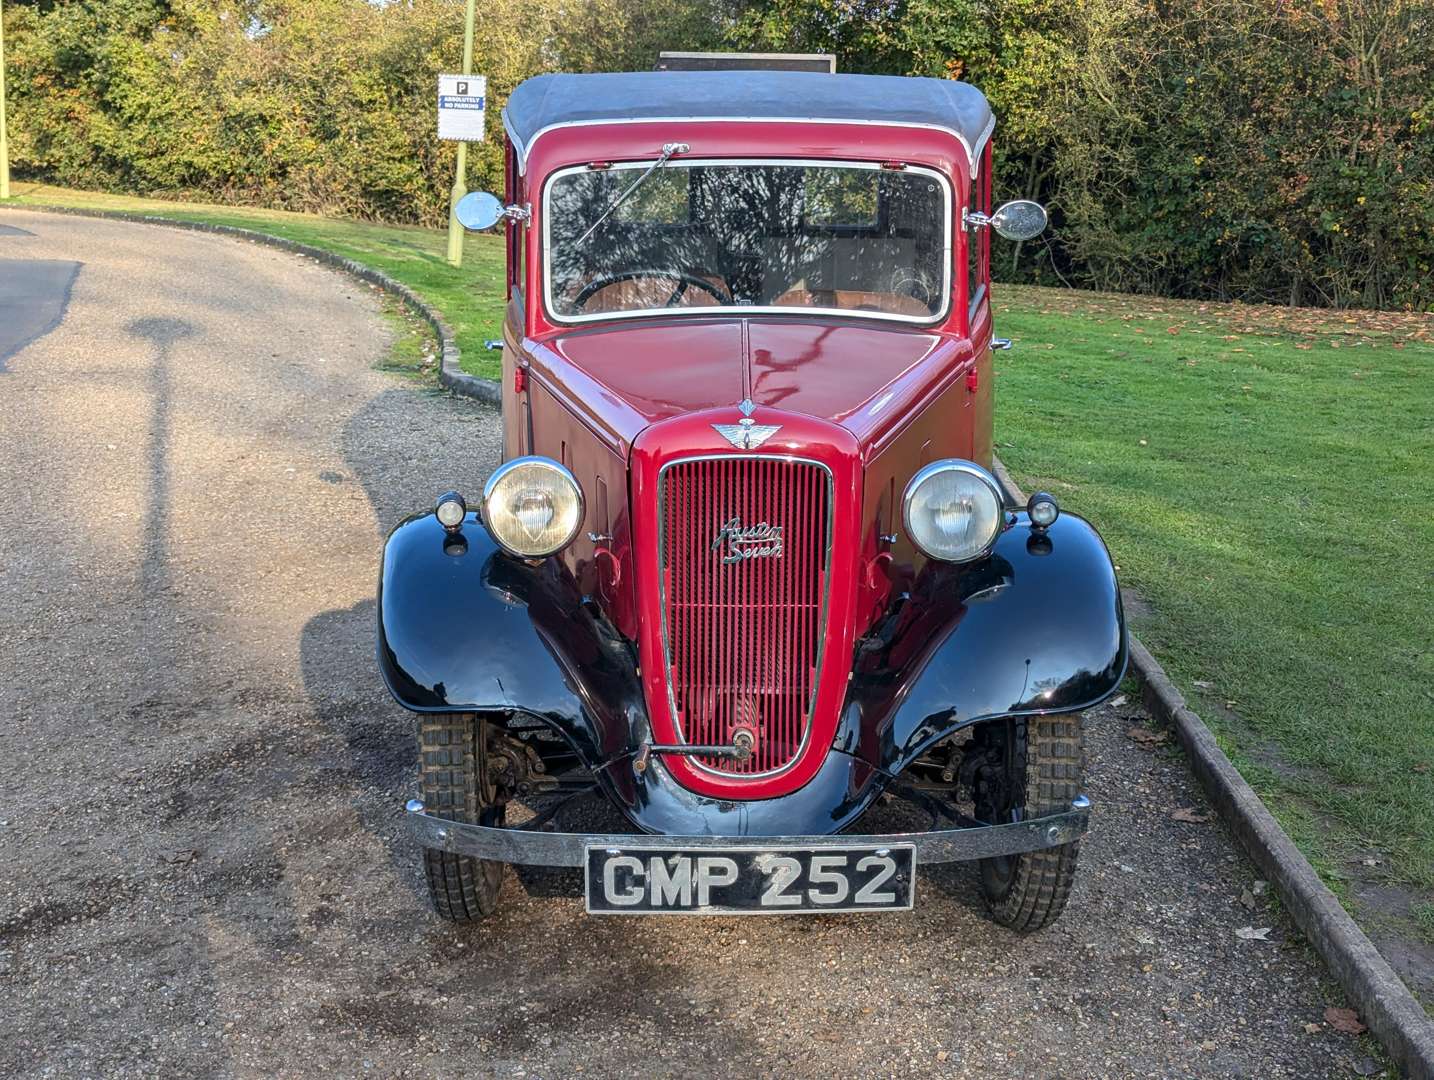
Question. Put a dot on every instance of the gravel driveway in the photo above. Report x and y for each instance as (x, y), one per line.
(201, 865)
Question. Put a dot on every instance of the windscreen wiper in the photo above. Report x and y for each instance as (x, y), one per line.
(668, 150)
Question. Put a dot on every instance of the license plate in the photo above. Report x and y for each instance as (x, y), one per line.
(752, 881)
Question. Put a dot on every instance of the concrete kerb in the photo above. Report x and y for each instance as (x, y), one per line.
(450, 373)
(1385, 1004)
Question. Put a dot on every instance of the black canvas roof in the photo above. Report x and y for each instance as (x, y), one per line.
(548, 101)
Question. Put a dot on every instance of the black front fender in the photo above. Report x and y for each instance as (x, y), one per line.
(1035, 628)
(464, 627)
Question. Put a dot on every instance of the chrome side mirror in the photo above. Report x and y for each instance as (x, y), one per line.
(480, 210)
(1020, 219)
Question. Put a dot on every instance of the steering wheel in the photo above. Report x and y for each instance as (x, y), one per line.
(684, 282)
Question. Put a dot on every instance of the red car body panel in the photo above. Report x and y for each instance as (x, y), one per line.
(871, 400)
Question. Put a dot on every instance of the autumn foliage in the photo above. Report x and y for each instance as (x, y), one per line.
(1268, 150)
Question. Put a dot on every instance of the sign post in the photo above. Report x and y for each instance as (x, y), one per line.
(460, 179)
(4, 138)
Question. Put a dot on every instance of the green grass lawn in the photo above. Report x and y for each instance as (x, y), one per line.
(1265, 480)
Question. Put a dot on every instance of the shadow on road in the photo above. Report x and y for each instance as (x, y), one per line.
(162, 334)
(336, 655)
(34, 295)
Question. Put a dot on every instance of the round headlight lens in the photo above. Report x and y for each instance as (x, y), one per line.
(533, 507)
(952, 510)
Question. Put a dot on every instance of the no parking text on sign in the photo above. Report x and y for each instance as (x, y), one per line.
(462, 100)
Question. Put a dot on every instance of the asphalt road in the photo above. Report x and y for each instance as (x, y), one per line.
(202, 871)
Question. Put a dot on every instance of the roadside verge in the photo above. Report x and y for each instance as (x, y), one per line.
(1386, 1005)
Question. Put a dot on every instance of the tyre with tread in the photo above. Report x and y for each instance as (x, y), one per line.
(1044, 772)
(452, 751)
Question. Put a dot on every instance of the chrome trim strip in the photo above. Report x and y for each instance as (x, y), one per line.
(821, 618)
(569, 849)
(948, 252)
(973, 150)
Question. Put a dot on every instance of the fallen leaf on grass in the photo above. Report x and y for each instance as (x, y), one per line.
(1422, 767)
(1249, 933)
(1189, 815)
(1147, 737)
(1344, 1020)
(1201, 684)
(1313, 1029)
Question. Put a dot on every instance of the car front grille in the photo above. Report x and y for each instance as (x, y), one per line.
(744, 546)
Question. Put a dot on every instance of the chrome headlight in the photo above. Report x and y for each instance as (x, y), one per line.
(952, 510)
(533, 506)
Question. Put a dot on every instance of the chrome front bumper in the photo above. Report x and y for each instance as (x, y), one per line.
(541, 848)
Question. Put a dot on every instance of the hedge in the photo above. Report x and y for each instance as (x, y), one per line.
(1274, 150)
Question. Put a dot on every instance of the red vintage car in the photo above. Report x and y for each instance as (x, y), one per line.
(745, 570)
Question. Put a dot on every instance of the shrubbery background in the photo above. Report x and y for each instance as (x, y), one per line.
(1278, 150)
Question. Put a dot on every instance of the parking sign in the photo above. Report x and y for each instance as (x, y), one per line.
(462, 100)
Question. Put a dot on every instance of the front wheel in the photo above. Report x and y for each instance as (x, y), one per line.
(1034, 766)
(456, 783)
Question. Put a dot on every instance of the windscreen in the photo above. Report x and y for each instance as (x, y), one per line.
(846, 238)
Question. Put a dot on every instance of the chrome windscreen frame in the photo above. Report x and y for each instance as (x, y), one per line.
(821, 618)
(948, 248)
